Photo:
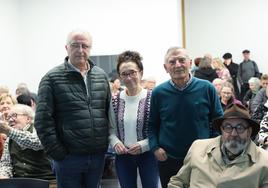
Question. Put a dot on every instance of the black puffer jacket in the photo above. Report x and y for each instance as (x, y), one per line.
(67, 119)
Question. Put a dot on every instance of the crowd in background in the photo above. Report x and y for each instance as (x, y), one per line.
(133, 99)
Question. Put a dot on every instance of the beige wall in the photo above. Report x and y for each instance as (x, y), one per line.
(216, 26)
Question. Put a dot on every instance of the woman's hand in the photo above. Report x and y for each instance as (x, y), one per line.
(134, 149)
(120, 148)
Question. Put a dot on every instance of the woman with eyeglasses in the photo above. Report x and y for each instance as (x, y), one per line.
(129, 136)
(227, 95)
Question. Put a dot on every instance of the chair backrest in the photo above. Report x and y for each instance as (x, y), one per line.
(23, 183)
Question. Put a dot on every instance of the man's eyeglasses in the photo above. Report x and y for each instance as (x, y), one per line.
(131, 73)
(239, 128)
(79, 45)
(14, 116)
(181, 60)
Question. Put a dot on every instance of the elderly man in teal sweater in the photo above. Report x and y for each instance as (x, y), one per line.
(182, 109)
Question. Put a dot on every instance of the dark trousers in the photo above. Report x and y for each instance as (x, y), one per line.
(127, 165)
(79, 171)
(168, 168)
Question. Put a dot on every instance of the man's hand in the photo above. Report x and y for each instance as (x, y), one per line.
(4, 128)
(120, 148)
(160, 154)
(135, 149)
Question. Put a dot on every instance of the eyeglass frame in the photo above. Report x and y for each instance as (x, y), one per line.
(182, 60)
(14, 116)
(131, 74)
(76, 45)
(236, 127)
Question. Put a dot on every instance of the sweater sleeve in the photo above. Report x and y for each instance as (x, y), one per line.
(153, 125)
(144, 145)
(113, 139)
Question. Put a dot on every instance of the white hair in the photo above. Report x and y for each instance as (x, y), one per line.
(78, 32)
(254, 80)
(24, 109)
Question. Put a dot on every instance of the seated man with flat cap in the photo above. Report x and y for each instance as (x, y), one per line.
(230, 160)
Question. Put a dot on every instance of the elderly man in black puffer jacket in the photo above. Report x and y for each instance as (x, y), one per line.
(72, 115)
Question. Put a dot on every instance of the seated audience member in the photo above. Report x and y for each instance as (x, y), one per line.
(196, 64)
(260, 112)
(231, 160)
(22, 88)
(205, 70)
(227, 95)
(27, 100)
(254, 87)
(143, 83)
(264, 80)
(221, 70)
(23, 154)
(150, 83)
(263, 133)
(115, 86)
(6, 102)
(260, 98)
(217, 83)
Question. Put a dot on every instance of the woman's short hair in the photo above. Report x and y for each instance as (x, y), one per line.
(24, 109)
(129, 56)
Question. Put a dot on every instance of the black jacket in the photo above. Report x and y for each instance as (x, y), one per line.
(68, 120)
(206, 74)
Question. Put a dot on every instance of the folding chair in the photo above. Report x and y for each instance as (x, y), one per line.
(23, 183)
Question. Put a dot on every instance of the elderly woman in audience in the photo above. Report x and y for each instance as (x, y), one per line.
(254, 87)
(6, 102)
(129, 134)
(227, 95)
(221, 70)
(217, 83)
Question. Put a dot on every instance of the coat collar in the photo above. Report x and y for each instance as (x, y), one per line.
(214, 150)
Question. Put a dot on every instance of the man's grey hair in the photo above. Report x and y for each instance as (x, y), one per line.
(77, 32)
(24, 109)
(173, 50)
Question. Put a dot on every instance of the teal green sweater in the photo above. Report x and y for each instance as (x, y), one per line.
(177, 118)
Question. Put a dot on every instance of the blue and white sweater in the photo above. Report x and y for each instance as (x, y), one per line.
(130, 125)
